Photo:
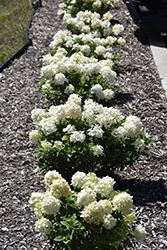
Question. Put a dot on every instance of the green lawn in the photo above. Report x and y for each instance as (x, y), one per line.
(14, 18)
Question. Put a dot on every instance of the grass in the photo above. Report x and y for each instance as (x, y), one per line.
(14, 18)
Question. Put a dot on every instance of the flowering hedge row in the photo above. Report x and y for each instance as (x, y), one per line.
(80, 131)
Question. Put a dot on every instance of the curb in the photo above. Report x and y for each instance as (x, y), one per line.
(159, 52)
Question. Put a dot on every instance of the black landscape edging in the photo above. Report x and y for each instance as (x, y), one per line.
(27, 40)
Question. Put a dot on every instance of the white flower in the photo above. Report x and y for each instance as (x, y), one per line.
(36, 197)
(37, 115)
(108, 208)
(131, 127)
(121, 41)
(96, 131)
(43, 225)
(97, 3)
(123, 202)
(69, 89)
(130, 218)
(98, 91)
(57, 113)
(92, 180)
(50, 205)
(78, 179)
(140, 233)
(96, 23)
(48, 71)
(117, 29)
(70, 43)
(77, 136)
(74, 98)
(38, 210)
(107, 16)
(46, 59)
(111, 40)
(120, 132)
(108, 94)
(85, 48)
(72, 110)
(69, 129)
(46, 145)
(50, 176)
(58, 145)
(108, 55)
(139, 145)
(85, 29)
(85, 197)
(48, 126)
(93, 213)
(34, 136)
(46, 86)
(60, 12)
(100, 50)
(60, 79)
(62, 5)
(60, 188)
(109, 221)
(97, 150)
(105, 186)
(108, 74)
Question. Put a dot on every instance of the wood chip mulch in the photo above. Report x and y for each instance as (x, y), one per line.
(141, 94)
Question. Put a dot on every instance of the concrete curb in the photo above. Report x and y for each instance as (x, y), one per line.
(159, 52)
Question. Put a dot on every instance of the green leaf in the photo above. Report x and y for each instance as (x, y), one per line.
(66, 224)
(59, 238)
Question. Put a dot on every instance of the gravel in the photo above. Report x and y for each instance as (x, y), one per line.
(141, 94)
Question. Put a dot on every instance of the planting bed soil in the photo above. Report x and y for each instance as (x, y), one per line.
(140, 94)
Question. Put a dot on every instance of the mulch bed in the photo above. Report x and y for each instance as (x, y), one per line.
(140, 94)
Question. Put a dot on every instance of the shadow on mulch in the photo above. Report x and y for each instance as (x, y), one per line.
(141, 36)
(143, 192)
(130, 69)
(121, 98)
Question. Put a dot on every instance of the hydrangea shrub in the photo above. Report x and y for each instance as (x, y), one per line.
(92, 215)
(73, 136)
(88, 77)
(87, 44)
(87, 21)
(74, 6)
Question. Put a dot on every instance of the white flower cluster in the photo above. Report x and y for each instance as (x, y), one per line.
(48, 203)
(95, 197)
(34, 136)
(43, 225)
(65, 8)
(56, 67)
(101, 94)
(67, 39)
(123, 202)
(79, 53)
(133, 127)
(100, 211)
(87, 21)
(85, 43)
(140, 233)
(98, 119)
(95, 113)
